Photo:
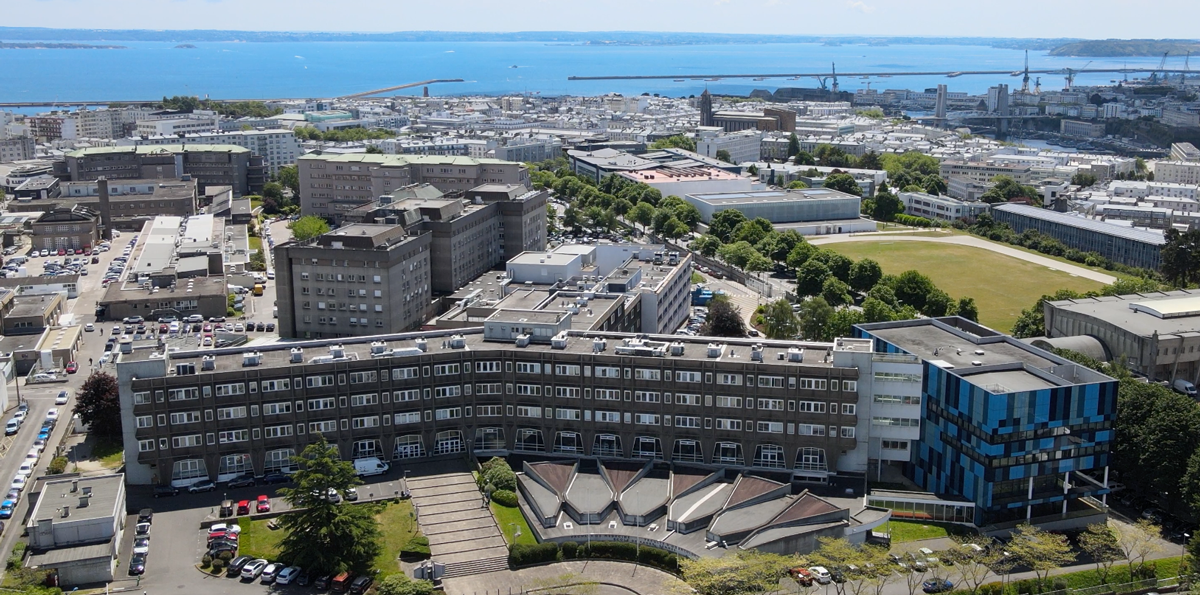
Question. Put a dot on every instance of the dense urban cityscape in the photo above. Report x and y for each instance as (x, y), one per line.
(815, 335)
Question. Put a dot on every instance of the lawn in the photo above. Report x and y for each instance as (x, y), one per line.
(255, 243)
(397, 527)
(511, 522)
(110, 453)
(1002, 286)
(903, 531)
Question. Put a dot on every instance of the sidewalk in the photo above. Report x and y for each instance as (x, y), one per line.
(614, 578)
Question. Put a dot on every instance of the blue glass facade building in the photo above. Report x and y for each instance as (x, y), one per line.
(1020, 432)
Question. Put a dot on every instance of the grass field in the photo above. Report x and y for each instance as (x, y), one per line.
(511, 521)
(903, 531)
(1002, 286)
(255, 243)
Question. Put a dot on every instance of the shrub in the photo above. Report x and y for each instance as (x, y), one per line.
(17, 556)
(206, 561)
(569, 549)
(218, 564)
(225, 556)
(505, 498)
(525, 554)
(57, 466)
(500, 475)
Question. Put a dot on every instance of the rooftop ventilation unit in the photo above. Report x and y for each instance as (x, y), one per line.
(795, 355)
(559, 341)
(208, 363)
(422, 344)
(522, 340)
(297, 355)
(460, 342)
(337, 351)
(188, 369)
(714, 350)
(598, 345)
(251, 358)
(380, 349)
(677, 348)
(756, 353)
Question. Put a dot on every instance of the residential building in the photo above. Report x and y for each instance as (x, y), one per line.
(17, 149)
(1176, 172)
(744, 146)
(1118, 243)
(360, 279)
(74, 228)
(209, 165)
(982, 173)
(1021, 432)
(940, 208)
(1084, 129)
(131, 203)
(330, 185)
(277, 147)
(75, 527)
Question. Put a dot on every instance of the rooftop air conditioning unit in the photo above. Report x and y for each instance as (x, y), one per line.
(714, 350)
(559, 341)
(297, 355)
(208, 363)
(337, 351)
(756, 353)
(458, 342)
(422, 344)
(598, 345)
(677, 348)
(251, 358)
(522, 340)
(795, 354)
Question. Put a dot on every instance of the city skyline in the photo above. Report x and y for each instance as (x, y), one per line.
(1100, 20)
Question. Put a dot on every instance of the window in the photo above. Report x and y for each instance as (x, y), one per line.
(231, 412)
(812, 384)
(681, 376)
(529, 389)
(142, 398)
(770, 427)
(363, 400)
(190, 417)
(487, 367)
(850, 385)
(145, 421)
(318, 381)
(613, 417)
(186, 394)
(729, 378)
(566, 392)
(896, 377)
(231, 436)
(729, 424)
(452, 390)
(899, 422)
(647, 374)
(528, 368)
(402, 373)
(847, 431)
(448, 413)
(186, 441)
(489, 410)
(770, 381)
(319, 404)
(608, 372)
(361, 377)
(810, 430)
(607, 394)
(145, 445)
(275, 385)
(812, 406)
(642, 396)
(566, 370)
(408, 417)
(849, 408)
(492, 388)
(568, 414)
(445, 369)
(894, 444)
(323, 427)
(729, 402)
(525, 411)
(359, 423)
(681, 399)
(771, 404)
(401, 396)
(277, 431)
(898, 400)
(687, 421)
(227, 390)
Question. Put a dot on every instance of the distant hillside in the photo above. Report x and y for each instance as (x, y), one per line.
(41, 45)
(1118, 48)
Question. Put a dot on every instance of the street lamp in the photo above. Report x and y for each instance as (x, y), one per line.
(1183, 552)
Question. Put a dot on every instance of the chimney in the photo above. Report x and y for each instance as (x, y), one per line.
(105, 209)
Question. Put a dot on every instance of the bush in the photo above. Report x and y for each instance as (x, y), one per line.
(525, 554)
(218, 565)
(57, 466)
(505, 498)
(225, 556)
(206, 561)
(17, 556)
(569, 549)
(496, 472)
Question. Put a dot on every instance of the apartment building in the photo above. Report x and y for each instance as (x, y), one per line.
(519, 385)
(17, 149)
(209, 165)
(1177, 172)
(277, 147)
(361, 279)
(982, 173)
(743, 146)
(330, 185)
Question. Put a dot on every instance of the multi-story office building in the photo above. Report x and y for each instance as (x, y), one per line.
(1118, 243)
(361, 279)
(743, 146)
(330, 185)
(941, 208)
(131, 202)
(277, 147)
(1019, 431)
(209, 165)
(196, 122)
(17, 149)
(522, 385)
(982, 173)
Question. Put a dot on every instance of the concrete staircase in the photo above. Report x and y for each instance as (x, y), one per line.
(462, 533)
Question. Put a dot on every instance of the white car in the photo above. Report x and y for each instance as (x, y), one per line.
(252, 569)
(821, 574)
(272, 569)
(234, 528)
(141, 545)
(62, 398)
(26, 468)
(287, 575)
(52, 414)
(89, 327)
(18, 483)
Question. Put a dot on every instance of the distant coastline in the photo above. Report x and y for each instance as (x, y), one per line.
(41, 45)
(1119, 48)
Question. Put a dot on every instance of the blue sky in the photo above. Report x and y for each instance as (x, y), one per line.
(967, 18)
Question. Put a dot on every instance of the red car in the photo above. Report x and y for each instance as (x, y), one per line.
(243, 507)
(72, 368)
(264, 504)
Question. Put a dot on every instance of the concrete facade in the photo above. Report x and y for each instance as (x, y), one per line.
(209, 165)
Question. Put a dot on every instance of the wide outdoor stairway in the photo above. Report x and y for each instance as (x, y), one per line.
(462, 533)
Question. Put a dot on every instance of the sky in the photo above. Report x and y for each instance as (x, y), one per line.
(1090, 19)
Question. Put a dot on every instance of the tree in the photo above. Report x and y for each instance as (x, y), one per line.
(257, 262)
(1100, 544)
(934, 184)
(843, 183)
(1032, 322)
(839, 264)
(737, 254)
(374, 150)
(967, 309)
(815, 317)
(98, 405)
(723, 223)
(835, 292)
(1083, 179)
(810, 277)
(778, 245)
(753, 170)
(1137, 541)
(831, 156)
(843, 321)
(877, 311)
(779, 322)
(706, 244)
(870, 160)
(797, 185)
(864, 274)
(400, 584)
(913, 288)
(804, 158)
(308, 227)
(1181, 257)
(752, 231)
(744, 573)
(724, 318)
(1005, 188)
(1039, 550)
(909, 163)
(887, 206)
(937, 303)
(273, 190)
(321, 535)
(800, 254)
(642, 213)
(675, 229)
(972, 558)
(678, 141)
(498, 474)
(723, 155)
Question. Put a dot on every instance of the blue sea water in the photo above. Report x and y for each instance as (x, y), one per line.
(149, 70)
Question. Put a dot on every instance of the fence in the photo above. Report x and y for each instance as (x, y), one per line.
(1130, 587)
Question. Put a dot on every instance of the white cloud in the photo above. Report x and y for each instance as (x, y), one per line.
(860, 5)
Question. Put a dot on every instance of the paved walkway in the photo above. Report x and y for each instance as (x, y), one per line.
(614, 578)
(976, 242)
(462, 533)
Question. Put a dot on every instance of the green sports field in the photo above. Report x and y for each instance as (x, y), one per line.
(1001, 285)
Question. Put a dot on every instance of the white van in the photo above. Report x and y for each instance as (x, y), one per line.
(370, 466)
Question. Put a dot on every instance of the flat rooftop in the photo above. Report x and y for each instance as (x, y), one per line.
(1165, 313)
(770, 196)
(105, 490)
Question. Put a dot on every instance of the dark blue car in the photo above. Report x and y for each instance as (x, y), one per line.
(937, 585)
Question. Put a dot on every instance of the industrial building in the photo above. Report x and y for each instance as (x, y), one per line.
(808, 210)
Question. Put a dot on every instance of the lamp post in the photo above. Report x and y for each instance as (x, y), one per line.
(1183, 553)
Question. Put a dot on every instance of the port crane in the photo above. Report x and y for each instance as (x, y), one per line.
(1162, 66)
(1025, 79)
(1186, 68)
(1072, 72)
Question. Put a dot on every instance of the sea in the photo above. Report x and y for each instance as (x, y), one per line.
(232, 70)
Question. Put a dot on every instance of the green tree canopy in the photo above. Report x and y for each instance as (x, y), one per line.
(706, 244)
(810, 278)
(912, 288)
(865, 274)
(308, 227)
(98, 405)
(967, 309)
(910, 162)
(870, 160)
(815, 317)
(744, 573)
(804, 158)
(678, 141)
(800, 254)
(724, 318)
(737, 253)
(839, 264)
(1083, 179)
(779, 322)
(797, 185)
(835, 292)
(793, 147)
(1005, 188)
(723, 155)
(400, 584)
(724, 222)
(642, 213)
(289, 176)
(843, 183)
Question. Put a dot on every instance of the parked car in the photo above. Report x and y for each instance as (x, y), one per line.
(232, 528)
(242, 481)
(287, 575)
(352, 494)
(226, 508)
(165, 491)
(360, 584)
(141, 545)
(72, 367)
(204, 485)
(62, 397)
(802, 576)
(137, 565)
(236, 565)
(7, 508)
(243, 507)
(253, 569)
(821, 574)
(304, 579)
(322, 582)
(262, 504)
(271, 478)
(146, 515)
(269, 573)
(141, 529)
(937, 585)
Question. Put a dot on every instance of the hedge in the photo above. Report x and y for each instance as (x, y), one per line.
(505, 498)
(525, 555)
(57, 466)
